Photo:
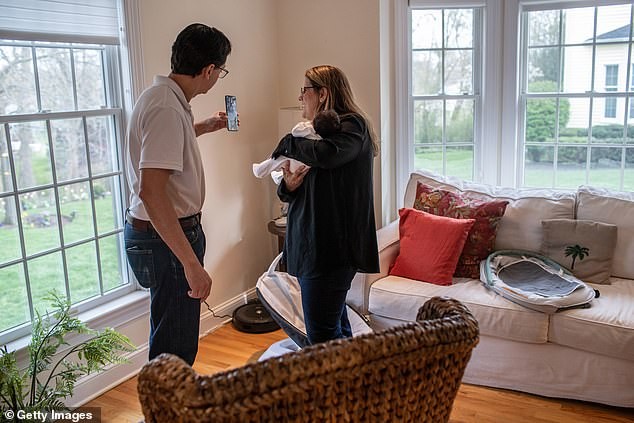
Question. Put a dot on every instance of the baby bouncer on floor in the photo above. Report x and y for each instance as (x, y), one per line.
(280, 293)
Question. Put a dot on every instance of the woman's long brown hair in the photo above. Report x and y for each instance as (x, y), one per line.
(339, 96)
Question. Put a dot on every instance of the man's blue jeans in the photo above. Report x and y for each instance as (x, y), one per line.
(174, 316)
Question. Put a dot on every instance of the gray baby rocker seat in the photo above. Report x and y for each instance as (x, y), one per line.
(280, 294)
(534, 281)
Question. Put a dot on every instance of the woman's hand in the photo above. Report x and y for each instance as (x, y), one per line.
(293, 180)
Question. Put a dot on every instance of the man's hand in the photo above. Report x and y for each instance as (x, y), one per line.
(217, 121)
(199, 281)
(293, 180)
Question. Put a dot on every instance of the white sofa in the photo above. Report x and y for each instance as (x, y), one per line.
(585, 354)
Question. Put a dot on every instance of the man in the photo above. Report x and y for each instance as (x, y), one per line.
(164, 241)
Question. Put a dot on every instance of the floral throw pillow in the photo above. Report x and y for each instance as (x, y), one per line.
(481, 238)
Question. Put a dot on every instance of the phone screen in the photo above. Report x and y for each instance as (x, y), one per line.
(232, 112)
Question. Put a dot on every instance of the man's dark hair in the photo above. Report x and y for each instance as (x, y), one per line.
(197, 46)
(327, 123)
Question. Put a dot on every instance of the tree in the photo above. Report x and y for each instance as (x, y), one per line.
(55, 78)
(544, 60)
(541, 118)
(427, 73)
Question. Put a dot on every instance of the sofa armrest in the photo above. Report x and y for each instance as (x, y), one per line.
(388, 243)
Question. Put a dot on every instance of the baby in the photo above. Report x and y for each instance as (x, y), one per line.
(325, 124)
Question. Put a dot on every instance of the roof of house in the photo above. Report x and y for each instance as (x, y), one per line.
(619, 33)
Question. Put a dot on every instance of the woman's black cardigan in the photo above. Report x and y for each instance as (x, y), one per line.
(330, 221)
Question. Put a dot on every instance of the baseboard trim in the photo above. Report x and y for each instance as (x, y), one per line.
(92, 386)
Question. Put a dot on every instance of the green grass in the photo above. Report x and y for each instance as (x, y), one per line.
(47, 272)
(541, 175)
(459, 164)
(459, 161)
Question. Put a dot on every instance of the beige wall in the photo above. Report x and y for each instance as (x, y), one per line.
(237, 205)
(343, 33)
(274, 42)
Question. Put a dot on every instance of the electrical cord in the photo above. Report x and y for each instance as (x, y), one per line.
(214, 314)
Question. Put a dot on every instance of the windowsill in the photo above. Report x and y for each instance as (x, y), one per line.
(113, 314)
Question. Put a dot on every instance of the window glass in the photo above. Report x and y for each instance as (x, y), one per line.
(444, 62)
(55, 78)
(574, 128)
(18, 95)
(60, 186)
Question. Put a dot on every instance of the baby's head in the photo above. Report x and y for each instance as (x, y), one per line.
(327, 123)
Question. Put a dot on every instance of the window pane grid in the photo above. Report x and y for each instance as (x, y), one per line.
(556, 135)
(50, 219)
(444, 99)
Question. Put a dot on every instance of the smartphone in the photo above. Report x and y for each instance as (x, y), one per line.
(232, 112)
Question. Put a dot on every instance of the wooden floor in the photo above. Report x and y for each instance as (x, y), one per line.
(227, 348)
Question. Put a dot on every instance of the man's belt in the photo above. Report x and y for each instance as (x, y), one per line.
(187, 223)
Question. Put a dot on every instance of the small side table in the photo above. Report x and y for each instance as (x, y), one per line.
(280, 232)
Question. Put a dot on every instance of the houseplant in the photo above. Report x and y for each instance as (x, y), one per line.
(51, 374)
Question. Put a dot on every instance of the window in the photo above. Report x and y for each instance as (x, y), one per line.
(444, 89)
(574, 132)
(539, 96)
(611, 84)
(61, 187)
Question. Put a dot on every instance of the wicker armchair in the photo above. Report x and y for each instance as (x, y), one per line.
(410, 373)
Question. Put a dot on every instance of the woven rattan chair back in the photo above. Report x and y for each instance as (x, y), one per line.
(409, 373)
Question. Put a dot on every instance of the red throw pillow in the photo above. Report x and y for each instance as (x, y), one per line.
(481, 239)
(429, 246)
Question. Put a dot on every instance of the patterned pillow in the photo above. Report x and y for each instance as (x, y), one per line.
(481, 239)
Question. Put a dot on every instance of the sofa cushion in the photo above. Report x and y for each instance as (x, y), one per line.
(481, 239)
(399, 298)
(584, 247)
(606, 327)
(429, 246)
(617, 208)
(521, 226)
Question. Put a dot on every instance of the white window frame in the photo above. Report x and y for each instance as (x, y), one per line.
(499, 154)
(126, 77)
(487, 126)
(630, 100)
(594, 94)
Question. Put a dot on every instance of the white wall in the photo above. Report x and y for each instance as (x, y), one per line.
(274, 42)
(342, 33)
(237, 204)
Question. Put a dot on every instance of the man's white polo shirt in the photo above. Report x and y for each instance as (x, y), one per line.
(161, 135)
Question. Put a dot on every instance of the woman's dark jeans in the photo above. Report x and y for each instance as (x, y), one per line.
(174, 316)
(324, 304)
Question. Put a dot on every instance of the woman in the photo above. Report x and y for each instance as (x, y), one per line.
(330, 233)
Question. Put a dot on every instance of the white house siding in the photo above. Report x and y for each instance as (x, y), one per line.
(576, 80)
(578, 63)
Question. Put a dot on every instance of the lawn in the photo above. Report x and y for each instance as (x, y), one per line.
(459, 164)
(46, 271)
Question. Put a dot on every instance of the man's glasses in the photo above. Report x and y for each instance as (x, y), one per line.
(303, 89)
(223, 72)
